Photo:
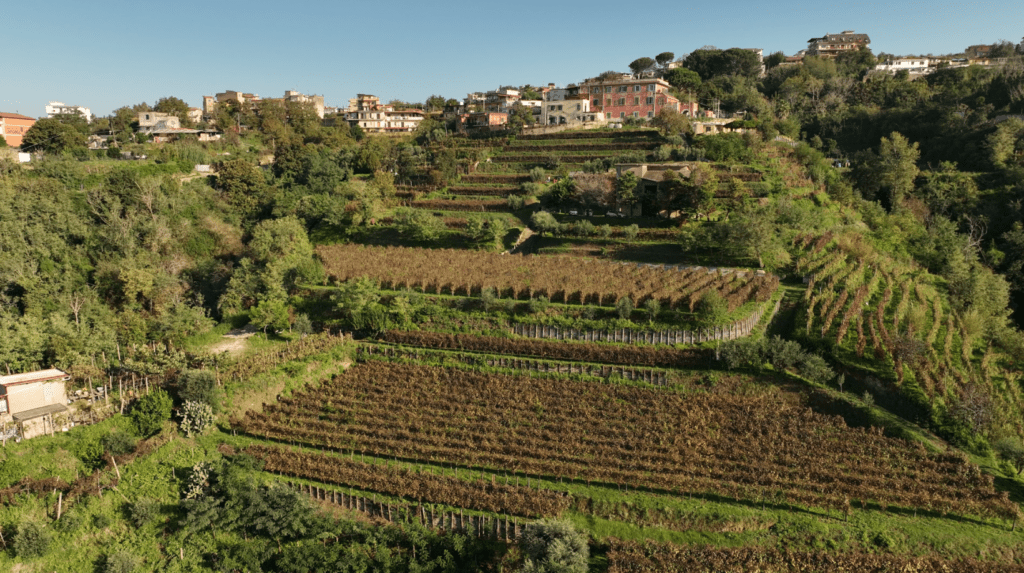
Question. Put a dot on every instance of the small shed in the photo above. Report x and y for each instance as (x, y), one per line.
(30, 400)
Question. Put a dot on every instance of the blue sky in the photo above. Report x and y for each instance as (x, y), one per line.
(107, 54)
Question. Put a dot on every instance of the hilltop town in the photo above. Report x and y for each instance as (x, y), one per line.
(725, 311)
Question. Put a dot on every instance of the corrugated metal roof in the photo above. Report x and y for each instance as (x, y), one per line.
(37, 376)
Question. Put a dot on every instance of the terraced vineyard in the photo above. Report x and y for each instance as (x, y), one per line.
(893, 313)
(758, 446)
(561, 279)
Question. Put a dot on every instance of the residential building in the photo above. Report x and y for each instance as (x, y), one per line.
(164, 127)
(367, 112)
(210, 103)
(482, 120)
(555, 94)
(317, 101)
(195, 115)
(58, 107)
(13, 127)
(626, 96)
(914, 66)
(150, 121)
(30, 400)
(978, 51)
(501, 99)
(569, 112)
(831, 45)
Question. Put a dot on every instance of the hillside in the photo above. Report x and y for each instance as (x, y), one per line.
(634, 349)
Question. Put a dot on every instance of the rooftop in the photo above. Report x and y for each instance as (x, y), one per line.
(15, 116)
(37, 376)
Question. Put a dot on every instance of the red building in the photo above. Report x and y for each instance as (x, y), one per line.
(13, 127)
(619, 98)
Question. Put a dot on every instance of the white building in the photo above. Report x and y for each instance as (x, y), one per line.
(914, 66)
(58, 107)
(569, 112)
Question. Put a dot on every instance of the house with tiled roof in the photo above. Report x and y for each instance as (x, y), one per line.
(831, 45)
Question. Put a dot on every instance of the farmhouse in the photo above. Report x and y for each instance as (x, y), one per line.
(31, 399)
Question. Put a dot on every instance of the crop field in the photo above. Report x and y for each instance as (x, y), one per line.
(755, 445)
(561, 279)
(651, 557)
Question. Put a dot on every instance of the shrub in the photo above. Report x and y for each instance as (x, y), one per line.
(653, 307)
(537, 305)
(516, 202)
(742, 353)
(554, 547)
(32, 540)
(604, 231)
(712, 309)
(624, 307)
(150, 412)
(199, 386)
(143, 511)
(537, 174)
(488, 297)
(118, 443)
(631, 231)
(121, 562)
(196, 417)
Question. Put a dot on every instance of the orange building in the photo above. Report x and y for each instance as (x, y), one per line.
(13, 127)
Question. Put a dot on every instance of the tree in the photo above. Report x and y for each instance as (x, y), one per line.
(683, 79)
(751, 231)
(774, 59)
(897, 167)
(520, 117)
(626, 189)
(270, 312)
(562, 190)
(174, 106)
(1012, 450)
(418, 224)
(664, 59)
(241, 182)
(641, 65)
(670, 122)
(52, 135)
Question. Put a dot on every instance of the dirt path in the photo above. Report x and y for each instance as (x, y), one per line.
(234, 342)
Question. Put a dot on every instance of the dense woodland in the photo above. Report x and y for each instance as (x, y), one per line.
(901, 200)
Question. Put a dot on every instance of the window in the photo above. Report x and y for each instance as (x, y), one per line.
(636, 101)
(579, 106)
(637, 88)
(559, 108)
(623, 89)
(622, 101)
(551, 108)
(3, 405)
(608, 89)
(636, 114)
(650, 87)
(597, 102)
(608, 115)
(650, 100)
(650, 114)
(607, 102)
(622, 114)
